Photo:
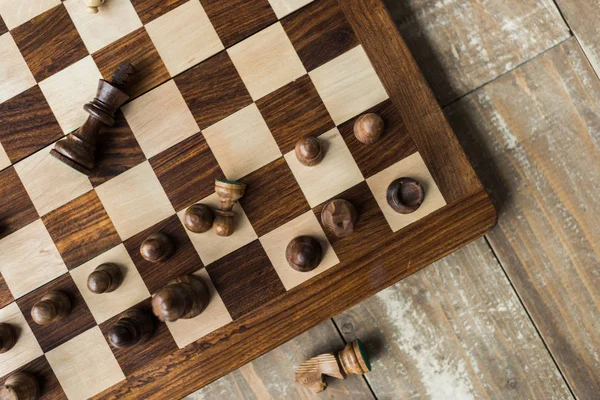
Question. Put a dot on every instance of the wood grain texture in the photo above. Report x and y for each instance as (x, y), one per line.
(149, 10)
(81, 229)
(49, 386)
(136, 48)
(394, 145)
(213, 90)
(16, 208)
(79, 320)
(27, 124)
(245, 279)
(6, 296)
(3, 28)
(272, 376)
(187, 171)
(453, 330)
(533, 136)
(49, 42)
(412, 97)
(461, 45)
(273, 197)
(235, 20)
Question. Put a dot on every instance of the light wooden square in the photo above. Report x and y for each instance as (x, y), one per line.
(49, 182)
(29, 259)
(348, 85)
(132, 290)
(85, 365)
(135, 200)
(266, 61)
(68, 90)
(26, 348)
(337, 172)
(160, 119)
(115, 19)
(4, 160)
(276, 241)
(411, 167)
(184, 37)
(211, 246)
(186, 331)
(242, 142)
(286, 7)
(15, 13)
(15, 76)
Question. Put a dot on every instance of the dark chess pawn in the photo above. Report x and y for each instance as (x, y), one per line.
(133, 327)
(186, 297)
(158, 247)
(20, 386)
(77, 150)
(53, 307)
(405, 195)
(309, 151)
(304, 253)
(339, 216)
(368, 128)
(8, 337)
(106, 278)
(198, 218)
(229, 193)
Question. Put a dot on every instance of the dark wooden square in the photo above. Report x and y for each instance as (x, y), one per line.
(185, 259)
(116, 152)
(6, 296)
(187, 171)
(149, 10)
(49, 42)
(293, 111)
(27, 124)
(235, 20)
(273, 197)
(81, 229)
(16, 208)
(371, 224)
(42, 371)
(395, 143)
(79, 320)
(213, 90)
(245, 279)
(319, 33)
(3, 28)
(138, 49)
(134, 358)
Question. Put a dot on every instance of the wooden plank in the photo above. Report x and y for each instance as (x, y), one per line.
(454, 330)
(272, 375)
(460, 45)
(583, 18)
(534, 136)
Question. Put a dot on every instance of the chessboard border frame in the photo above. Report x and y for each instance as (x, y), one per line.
(468, 215)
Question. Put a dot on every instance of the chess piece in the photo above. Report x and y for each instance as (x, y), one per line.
(105, 278)
(53, 307)
(309, 151)
(198, 218)
(405, 195)
(92, 6)
(339, 216)
(352, 360)
(304, 253)
(77, 150)
(8, 337)
(185, 297)
(133, 327)
(20, 386)
(368, 128)
(157, 247)
(229, 193)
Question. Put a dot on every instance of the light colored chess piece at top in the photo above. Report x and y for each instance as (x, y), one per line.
(93, 5)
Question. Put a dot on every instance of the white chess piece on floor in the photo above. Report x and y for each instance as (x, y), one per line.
(93, 5)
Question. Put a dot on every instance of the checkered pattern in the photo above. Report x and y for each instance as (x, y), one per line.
(214, 98)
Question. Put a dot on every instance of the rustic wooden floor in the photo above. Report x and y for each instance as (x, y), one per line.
(514, 315)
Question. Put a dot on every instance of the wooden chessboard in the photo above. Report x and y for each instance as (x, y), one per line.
(224, 89)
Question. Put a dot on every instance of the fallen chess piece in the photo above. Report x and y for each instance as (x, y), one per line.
(186, 297)
(405, 195)
(352, 360)
(92, 6)
(20, 386)
(229, 193)
(77, 150)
